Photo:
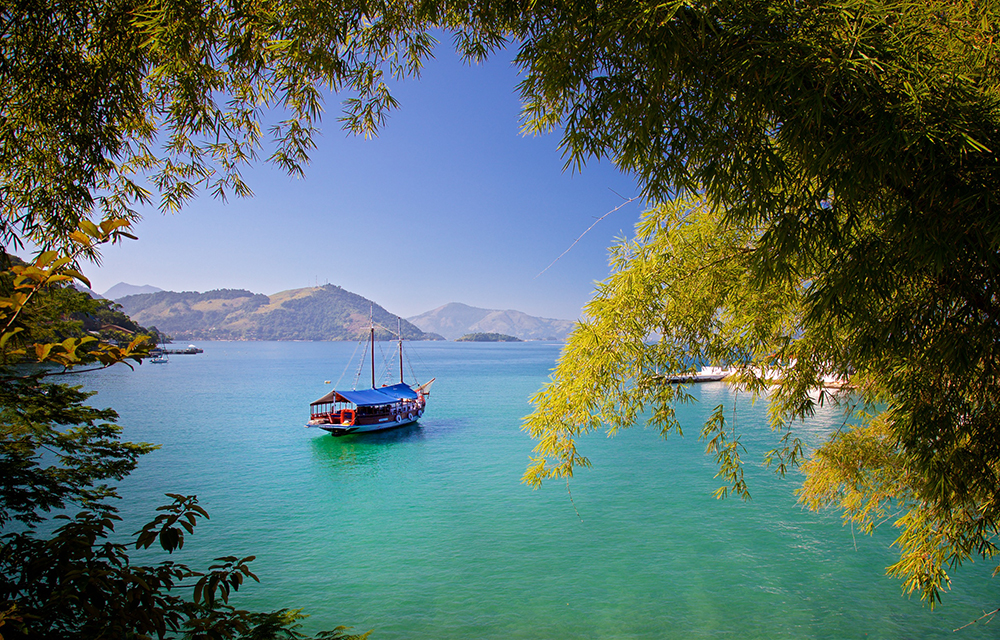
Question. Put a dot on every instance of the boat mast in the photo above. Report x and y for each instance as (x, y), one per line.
(399, 334)
(372, 321)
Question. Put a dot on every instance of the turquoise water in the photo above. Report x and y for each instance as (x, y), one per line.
(426, 532)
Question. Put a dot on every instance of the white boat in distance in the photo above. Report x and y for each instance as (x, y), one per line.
(364, 410)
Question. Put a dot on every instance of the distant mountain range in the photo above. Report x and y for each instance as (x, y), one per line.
(123, 289)
(90, 292)
(313, 313)
(455, 320)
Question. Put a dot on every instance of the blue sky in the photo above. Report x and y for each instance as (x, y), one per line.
(451, 203)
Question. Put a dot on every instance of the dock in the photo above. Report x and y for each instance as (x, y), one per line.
(771, 376)
(706, 374)
(189, 350)
(696, 377)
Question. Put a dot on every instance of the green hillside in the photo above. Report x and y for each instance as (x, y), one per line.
(61, 311)
(487, 337)
(314, 313)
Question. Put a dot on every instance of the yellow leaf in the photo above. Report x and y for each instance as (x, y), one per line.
(80, 238)
(115, 223)
(8, 335)
(90, 229)
(79, 276)
(32, 273)
(61, 262)
(45, 258)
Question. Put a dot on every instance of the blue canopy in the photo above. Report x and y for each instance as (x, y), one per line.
(369, 397)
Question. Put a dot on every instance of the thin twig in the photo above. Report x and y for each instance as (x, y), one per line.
(570, 493)
(586, 232)
(988, 613)
(73, 371)
(66, 371)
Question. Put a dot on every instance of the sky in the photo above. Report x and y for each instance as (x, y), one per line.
(451, 203)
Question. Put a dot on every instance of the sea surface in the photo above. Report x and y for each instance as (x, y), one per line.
(426, 532)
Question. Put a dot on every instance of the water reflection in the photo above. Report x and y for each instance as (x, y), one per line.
(363, 451)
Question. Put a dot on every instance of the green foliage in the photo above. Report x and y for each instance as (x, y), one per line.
(110, 104)
(60, 311)
(843, 157)
(61, 576)
(89, 454)
(690, 289)
(76, 584)
(692, 281)
(34, 307)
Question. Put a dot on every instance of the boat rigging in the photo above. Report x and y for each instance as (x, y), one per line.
(341, 412)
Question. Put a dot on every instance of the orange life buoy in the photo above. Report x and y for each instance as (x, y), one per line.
(347, 417)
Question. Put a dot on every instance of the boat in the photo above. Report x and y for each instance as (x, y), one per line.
(705, 374)
(158, 357)
(189, 350)
(341, 412)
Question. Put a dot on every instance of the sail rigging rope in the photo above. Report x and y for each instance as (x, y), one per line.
(386, 372)
(347, 366)
(361, 363)
(409, 363)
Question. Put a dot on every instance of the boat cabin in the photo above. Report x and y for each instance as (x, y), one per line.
(366, 406)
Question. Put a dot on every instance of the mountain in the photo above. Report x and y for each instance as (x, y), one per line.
(313, 313)
(90, 292)
(123, 289)
(455, 320)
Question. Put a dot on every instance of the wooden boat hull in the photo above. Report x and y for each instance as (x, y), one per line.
(372, 424)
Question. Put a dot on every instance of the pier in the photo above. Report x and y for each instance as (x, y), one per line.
(189, 350)
(706, 374)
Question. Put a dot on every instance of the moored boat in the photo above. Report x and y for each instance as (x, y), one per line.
(341, 412)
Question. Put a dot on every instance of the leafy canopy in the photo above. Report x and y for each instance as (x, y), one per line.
(827, 172)
(60, 575)
(108, 104)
